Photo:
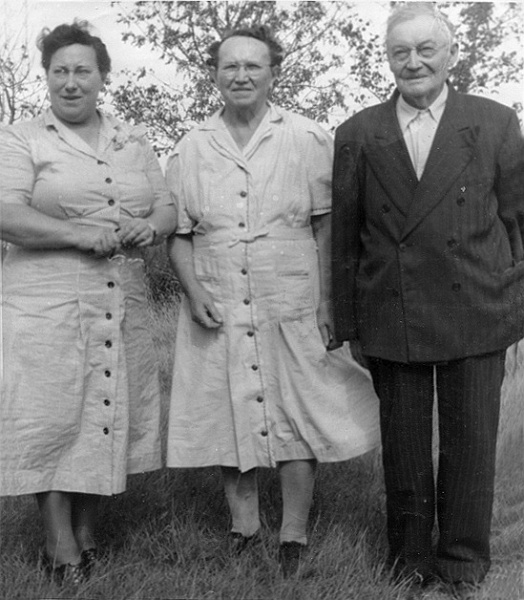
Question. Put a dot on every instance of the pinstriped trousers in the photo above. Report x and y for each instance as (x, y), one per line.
(468, 397)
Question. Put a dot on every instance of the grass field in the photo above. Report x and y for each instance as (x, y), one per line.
(166, 537)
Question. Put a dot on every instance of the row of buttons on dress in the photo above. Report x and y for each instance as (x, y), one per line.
(247, 302)
(110, 284)
(108, 344)
(109, 181)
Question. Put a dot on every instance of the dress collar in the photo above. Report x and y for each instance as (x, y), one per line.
(216, 122)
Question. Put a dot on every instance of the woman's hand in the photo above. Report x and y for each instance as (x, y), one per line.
(203, 309)
(101, 241)
(136, 232)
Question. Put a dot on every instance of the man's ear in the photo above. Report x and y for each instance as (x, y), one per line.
(453, 55)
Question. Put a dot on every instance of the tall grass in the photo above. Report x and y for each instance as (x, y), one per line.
(165, 538)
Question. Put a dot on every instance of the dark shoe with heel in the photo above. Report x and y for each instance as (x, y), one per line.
(289, 556)
(88, 559)
(66, 574)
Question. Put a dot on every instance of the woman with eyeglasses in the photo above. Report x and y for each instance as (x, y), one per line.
(253, 384)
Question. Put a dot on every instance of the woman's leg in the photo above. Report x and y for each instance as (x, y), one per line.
(297, 478)
(242, 497)
(84, 516)
(61, 546)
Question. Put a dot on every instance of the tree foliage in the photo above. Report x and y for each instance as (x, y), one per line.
(335, 59)
(21, 96)
(319, 37)
(485, 60)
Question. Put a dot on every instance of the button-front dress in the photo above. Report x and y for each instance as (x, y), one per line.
(80, 391)
(262, 388)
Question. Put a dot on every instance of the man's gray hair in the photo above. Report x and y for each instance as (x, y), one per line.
(411, 10)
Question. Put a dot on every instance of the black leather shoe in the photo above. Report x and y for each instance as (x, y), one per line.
(462, 590)
(420, 574)
(66, 574)
(238, 543)
(289, 556)
(88, 559)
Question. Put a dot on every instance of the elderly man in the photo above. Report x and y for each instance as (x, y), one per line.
(428, 274)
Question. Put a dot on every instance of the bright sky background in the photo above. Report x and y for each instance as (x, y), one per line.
(49, 13)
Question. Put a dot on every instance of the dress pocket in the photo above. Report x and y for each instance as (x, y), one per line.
(206, 266)
(295, 294)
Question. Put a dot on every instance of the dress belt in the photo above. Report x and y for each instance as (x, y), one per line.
(248, 237)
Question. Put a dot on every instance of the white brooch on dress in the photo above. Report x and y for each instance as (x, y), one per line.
(125, 134)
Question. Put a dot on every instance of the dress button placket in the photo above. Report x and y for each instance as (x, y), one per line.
(253, 384)
(108, 320)
(109, 335)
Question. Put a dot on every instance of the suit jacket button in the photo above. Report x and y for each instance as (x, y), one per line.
(456, 287)
(386, 208)
(461, 201)
(402, 247)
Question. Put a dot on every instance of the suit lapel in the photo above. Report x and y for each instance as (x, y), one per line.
(389, 158)
(452, 150)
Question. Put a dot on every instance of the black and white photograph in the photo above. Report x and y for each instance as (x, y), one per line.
(261, 300)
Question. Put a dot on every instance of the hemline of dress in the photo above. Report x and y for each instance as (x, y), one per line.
(322, 457)
(13, 486)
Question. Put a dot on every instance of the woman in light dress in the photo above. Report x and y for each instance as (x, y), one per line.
(81, 195)
(254, 385)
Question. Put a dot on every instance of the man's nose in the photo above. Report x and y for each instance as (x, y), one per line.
(413, 60)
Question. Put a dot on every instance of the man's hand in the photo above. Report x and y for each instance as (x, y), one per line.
(356, 351)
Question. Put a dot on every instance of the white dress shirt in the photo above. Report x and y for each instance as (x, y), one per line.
(419, 127)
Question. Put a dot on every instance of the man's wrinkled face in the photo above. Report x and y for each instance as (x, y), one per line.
(420, 54)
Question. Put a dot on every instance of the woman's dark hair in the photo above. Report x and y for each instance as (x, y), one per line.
(258, 32)
(66, 35)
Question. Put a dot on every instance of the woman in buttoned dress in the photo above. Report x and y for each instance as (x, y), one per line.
(254, 384)
(82, 194)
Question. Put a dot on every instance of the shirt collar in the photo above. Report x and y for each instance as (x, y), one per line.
(406, 113)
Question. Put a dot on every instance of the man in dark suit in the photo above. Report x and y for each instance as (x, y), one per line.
(428, 287)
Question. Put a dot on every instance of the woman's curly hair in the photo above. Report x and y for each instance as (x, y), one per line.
(49, 42)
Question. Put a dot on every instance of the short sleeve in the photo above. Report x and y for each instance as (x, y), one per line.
(319, 169)
(176, 189)
(17, 169)
(156, 178)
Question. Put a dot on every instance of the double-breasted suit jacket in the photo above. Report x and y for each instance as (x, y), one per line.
(430, 270)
